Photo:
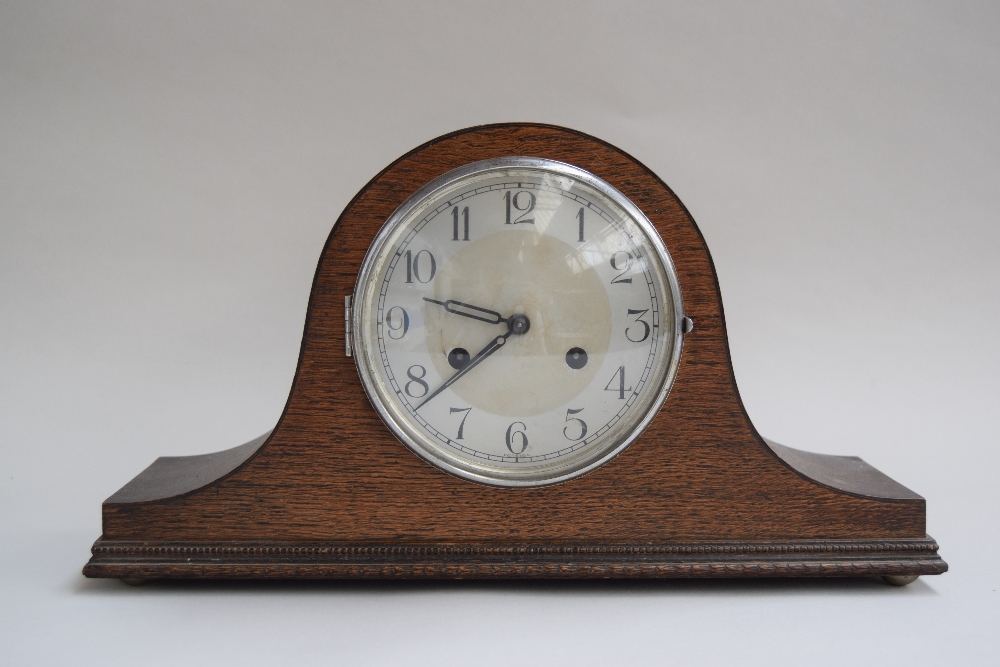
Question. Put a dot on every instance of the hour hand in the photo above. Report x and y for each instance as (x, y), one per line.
(468, 310)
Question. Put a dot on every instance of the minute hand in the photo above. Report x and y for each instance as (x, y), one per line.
(493, 346)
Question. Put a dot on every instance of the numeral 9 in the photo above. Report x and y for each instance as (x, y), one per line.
(401, 319)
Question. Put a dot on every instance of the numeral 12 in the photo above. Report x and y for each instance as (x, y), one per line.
(521, 205)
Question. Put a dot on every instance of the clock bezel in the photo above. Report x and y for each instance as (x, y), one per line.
(397, 423)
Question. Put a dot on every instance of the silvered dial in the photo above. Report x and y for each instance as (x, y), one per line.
(517, 322)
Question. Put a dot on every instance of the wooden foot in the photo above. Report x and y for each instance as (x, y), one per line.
(133, 581)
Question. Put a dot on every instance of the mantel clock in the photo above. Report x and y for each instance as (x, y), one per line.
(514, 365)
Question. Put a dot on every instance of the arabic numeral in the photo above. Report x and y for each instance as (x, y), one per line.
(397, 322)
(461, 424)
(413, 265)
(517, 438)
(644, 323)
(571, 418)
(418, 380)
(579, 216)
(465, 223)
(623, 265)
(620, 389)
(522, 202)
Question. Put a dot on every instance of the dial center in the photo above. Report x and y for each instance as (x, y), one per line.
(518, 324)
(552, 300)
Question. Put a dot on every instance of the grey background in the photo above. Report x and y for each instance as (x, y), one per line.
(168, 175)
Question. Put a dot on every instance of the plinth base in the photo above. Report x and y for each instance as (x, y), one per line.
(805, 558)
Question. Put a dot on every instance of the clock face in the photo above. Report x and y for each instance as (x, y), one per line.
(517, 322)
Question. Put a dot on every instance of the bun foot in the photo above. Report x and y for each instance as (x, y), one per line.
(133, 581)
(900, 579)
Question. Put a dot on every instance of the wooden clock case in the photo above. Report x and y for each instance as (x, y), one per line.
(331, 493)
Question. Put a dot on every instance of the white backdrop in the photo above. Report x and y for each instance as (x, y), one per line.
(169, 174)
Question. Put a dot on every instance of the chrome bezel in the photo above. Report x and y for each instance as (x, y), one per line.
(410, 436)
